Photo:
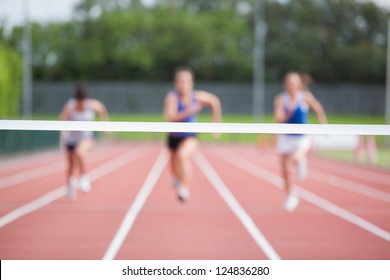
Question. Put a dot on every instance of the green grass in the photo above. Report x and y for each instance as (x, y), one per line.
(383, 156)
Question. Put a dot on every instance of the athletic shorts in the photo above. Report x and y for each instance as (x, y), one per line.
(287, 144)
(174, 142)
(71, 145)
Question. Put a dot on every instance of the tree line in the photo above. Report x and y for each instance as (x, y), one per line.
(333, 40)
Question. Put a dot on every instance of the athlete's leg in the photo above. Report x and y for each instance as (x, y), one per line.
(300, 159)
(285, 162)
(82, 149)
(183, 165)
(70, 158)
(70, 174)
(292, 199)
(174, 168)
(299, 155)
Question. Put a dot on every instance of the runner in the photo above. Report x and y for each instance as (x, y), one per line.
(182, 105)
(292, 106)
(78, 143)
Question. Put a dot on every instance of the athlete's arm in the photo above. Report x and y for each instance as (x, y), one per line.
(316, 106)
(65, 113)
(212, 101)
(171, 114)
(279, 113)
(100, 109)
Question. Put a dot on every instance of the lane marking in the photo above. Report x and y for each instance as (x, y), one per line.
(136, 206)
(312, 198)
(358, 173)
(43, 171)
(9, 162)
(59, 192)
(351, 186)
(336, 181)
(235, 206)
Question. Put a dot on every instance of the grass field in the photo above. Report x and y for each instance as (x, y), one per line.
(383, 156)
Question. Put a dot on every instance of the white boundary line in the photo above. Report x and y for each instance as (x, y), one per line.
(236, 208)
(11, 161)
(322, 129)
(350, 185)
(34, 173)
(329, 207)
(136, 206)
(43, 171)
(358, 174)
(339, 182)
(59, 192)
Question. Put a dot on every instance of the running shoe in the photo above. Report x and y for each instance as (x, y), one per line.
(183, 194)
(291, 202)
(85, 185)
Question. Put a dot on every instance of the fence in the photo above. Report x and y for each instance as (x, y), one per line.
(137, 97)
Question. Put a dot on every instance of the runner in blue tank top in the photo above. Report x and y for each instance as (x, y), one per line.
(292, 106)
(182, 105)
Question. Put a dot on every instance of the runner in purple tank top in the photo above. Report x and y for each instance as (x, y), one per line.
(182, 105)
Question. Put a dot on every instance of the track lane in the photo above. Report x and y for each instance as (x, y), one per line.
(365, 202)
(203, 228)
(327, 236)
(64, 230)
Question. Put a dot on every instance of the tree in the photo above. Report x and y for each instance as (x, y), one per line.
(334, 40)
(10, 82)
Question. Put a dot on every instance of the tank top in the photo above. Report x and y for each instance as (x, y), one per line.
(88, 114)
(300, 112)
(192, 118)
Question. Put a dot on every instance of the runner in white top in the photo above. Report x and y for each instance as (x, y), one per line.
(292, 106)
(78, 143)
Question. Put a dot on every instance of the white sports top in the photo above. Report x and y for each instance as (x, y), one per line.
(88, 114)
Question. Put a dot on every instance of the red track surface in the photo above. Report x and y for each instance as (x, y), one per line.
(352, 223)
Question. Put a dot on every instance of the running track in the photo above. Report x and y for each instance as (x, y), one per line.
(235, 211)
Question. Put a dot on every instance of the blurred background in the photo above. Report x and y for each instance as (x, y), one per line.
(126, 50)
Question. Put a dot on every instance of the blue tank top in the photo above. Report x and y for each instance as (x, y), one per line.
(192, 118)
(301, 110)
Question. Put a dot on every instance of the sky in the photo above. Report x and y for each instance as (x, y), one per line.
(57, 10)
(13, 11)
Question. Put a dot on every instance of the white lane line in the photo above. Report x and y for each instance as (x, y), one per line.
(356, 173)
(59, 192)
(136, 206)
(9, 162)
(235, 206)
(336, 181)
(277, 181)
(349, 185)
(42, 171)
(31, 174)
